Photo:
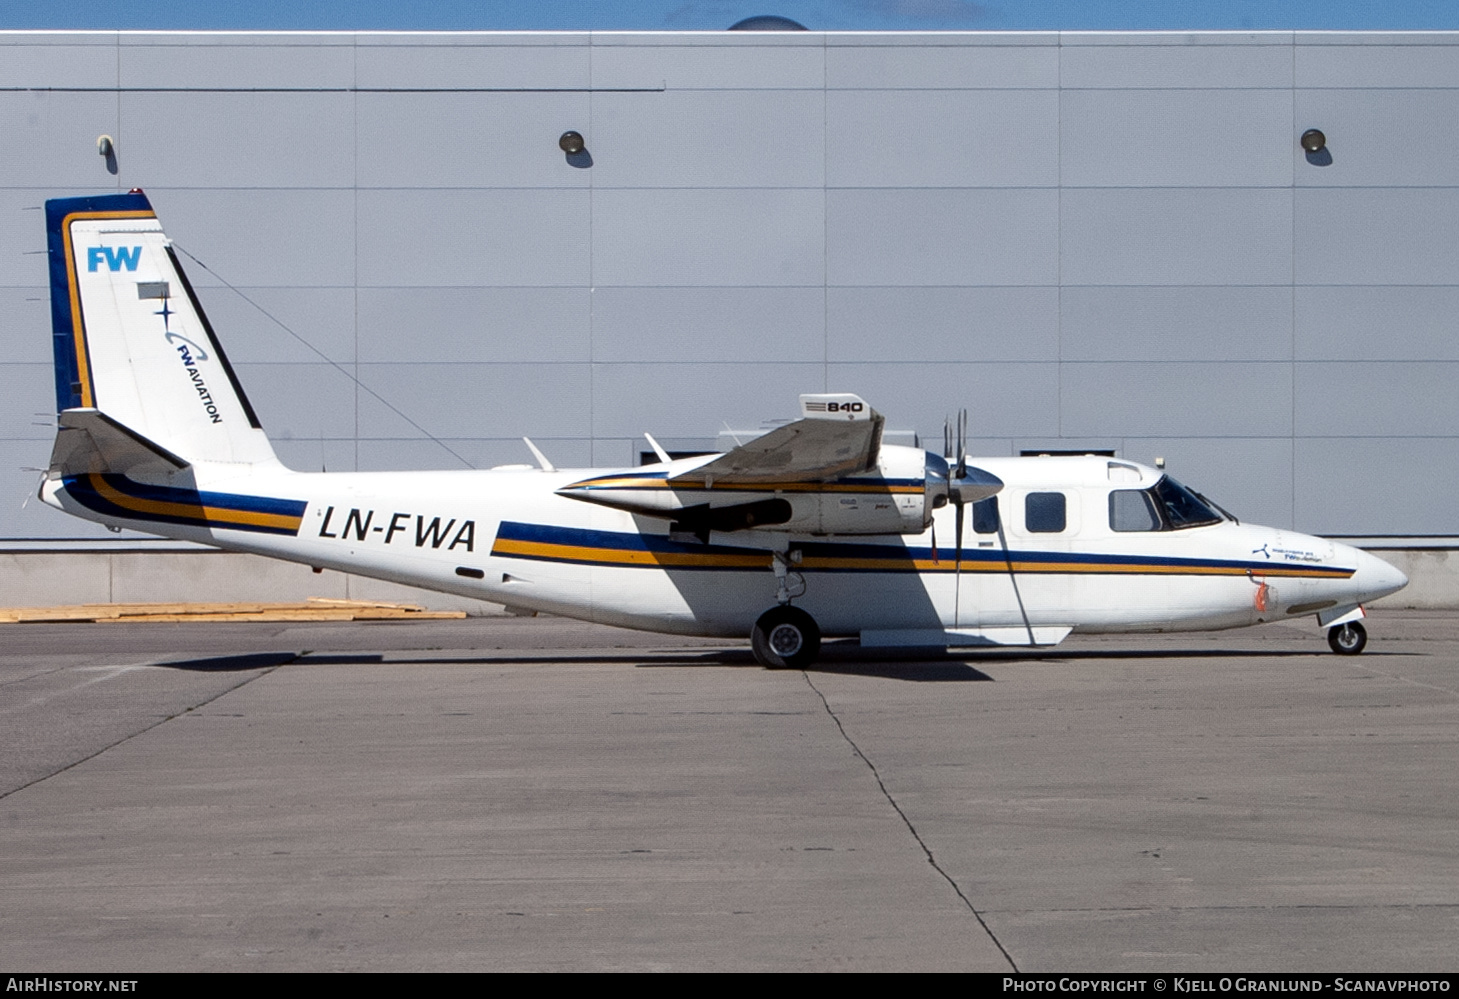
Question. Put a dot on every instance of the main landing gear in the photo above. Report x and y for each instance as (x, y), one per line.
(785, 637)
(1346, 639)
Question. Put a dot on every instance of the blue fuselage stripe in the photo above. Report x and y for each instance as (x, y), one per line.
(583, 546)
(129, 500)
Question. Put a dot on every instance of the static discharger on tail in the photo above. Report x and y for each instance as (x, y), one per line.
(814, 529)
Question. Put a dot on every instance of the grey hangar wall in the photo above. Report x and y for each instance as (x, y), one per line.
(1091, 240)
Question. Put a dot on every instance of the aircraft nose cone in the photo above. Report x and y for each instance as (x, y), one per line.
(1376, 578)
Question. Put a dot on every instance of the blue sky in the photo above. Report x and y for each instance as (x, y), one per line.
(881, 15)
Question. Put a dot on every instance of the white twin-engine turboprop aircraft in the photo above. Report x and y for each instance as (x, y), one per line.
(815, 528)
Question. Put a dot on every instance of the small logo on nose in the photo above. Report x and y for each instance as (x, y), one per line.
(1262, 550)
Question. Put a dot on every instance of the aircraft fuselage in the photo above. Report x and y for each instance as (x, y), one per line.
(509, 537)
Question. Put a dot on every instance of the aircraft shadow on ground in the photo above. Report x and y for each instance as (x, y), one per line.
(231, 664)
(909, 670)
(961, 665)
(916, 668)
(841, 659)
(1052, 656)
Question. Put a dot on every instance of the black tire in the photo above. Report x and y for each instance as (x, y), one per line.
(1347, 639)
(785, 638)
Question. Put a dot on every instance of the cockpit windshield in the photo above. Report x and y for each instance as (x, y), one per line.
(1165, 506)
(1181, 507)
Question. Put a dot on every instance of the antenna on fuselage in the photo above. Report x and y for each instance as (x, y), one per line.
(663, 455)
(547, 466)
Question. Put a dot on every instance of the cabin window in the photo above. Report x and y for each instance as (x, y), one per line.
(985, 515)
(1044, 513)
(1133, 510)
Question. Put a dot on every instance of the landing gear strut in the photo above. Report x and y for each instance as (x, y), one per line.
(785, 638)
(1347, 639)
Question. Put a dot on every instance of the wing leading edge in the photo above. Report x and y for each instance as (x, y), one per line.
(837, 435)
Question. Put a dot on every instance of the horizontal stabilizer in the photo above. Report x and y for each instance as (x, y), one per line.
(89, 441)
(962, 637)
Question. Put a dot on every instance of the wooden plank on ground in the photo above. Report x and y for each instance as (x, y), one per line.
(313, 609)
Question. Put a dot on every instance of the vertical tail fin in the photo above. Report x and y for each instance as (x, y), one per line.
(131, 339)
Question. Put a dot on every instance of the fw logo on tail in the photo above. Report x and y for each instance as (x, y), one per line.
(116, 257)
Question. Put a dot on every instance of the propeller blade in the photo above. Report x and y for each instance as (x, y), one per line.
(959, 500)
(962, 443)
(958, 536)
(947, 437)
(957, 573)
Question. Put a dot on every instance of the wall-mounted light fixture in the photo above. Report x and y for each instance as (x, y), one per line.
(107, 147)
(576, 149)
(1314, 146)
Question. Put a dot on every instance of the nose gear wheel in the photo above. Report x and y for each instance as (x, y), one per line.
(1347, 639)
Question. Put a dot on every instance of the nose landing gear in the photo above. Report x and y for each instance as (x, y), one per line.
(1347, 639)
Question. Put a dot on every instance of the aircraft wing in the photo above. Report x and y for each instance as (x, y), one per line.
(836, 435)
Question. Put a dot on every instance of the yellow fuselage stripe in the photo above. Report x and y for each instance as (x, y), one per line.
(621, 556)
(948, 563)
(192, 511)
(639, 557)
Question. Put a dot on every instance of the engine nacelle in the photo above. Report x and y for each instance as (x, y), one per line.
(897, 498)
